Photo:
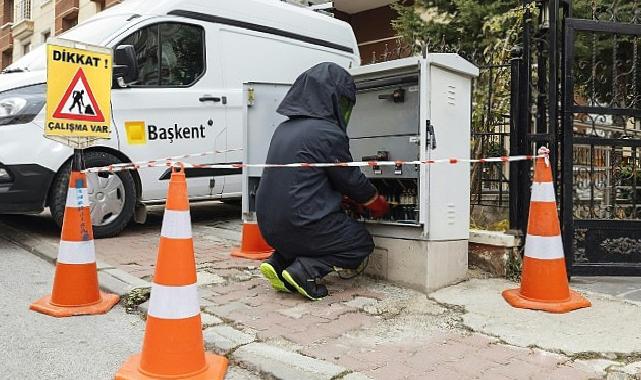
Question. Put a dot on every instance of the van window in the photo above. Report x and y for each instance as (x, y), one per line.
(169, 54)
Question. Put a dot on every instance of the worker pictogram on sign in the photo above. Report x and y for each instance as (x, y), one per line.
(78, 102)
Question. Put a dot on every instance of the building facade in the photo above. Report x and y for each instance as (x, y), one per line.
(26, 24)
(372, 24)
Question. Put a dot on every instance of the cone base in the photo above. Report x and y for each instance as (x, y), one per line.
(44, 306)
(576, 301)
(216, 370)
(252, 255)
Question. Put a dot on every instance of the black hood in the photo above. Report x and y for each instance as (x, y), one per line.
(316, 94)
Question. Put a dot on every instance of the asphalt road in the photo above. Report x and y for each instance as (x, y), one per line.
(34, 346)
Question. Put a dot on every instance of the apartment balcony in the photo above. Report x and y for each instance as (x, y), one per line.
(6, 38)
(22, 22)
(66, 14)
(104, 4)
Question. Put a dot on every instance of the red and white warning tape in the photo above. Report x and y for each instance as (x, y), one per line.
(168, 162)
(175, 162)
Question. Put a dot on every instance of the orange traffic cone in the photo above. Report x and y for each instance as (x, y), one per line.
(75, 285)
(544, 280)
(252, 244)
(173, 347)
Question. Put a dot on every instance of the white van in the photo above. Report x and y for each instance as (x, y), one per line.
(183, 86)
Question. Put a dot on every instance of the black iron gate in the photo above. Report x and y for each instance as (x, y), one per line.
(601, 144)
(577, 89)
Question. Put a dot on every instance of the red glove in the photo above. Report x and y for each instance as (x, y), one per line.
(378, 208)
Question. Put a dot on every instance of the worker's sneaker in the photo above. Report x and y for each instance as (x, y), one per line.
(272, 270)
(272, 275)
(307, 287)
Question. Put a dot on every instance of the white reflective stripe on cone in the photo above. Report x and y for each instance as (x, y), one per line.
(77, 197)
(176, 225)
(543, 192)
(544, 247)
(174, 302)
(76, 252)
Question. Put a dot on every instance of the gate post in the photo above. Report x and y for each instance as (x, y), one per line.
(516, 64)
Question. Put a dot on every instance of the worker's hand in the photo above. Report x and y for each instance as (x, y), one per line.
(349, 205)
(378, 207)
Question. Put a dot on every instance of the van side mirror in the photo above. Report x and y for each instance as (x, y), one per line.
(125, 68)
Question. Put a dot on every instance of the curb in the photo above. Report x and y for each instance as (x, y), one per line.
(111, 279)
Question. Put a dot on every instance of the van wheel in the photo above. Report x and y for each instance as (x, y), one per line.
(112, 196)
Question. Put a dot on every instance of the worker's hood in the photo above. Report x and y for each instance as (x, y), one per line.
(317, 94)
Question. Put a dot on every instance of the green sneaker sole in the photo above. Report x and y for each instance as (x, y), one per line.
(288, 277)
(270, 274)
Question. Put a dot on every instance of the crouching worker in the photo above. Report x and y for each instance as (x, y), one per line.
(299, 209)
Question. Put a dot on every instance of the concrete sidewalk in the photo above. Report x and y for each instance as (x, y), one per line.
(373, 329)
(36, 346)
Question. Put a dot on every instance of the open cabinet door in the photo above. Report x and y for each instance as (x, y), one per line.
(449, 185)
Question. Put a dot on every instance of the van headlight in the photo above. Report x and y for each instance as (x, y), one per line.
(21, 105)
(4, 175)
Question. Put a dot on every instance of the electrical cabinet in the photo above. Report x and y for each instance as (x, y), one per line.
(413, 109)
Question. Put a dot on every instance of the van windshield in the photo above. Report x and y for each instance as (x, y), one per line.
(93, 32)
(96, 31)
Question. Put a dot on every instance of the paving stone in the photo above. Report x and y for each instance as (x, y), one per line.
(306, 337)
(276, 332)
(223, 339)
(113, 284)
(596, 365)
(225, 310)
(498, 353)
(354, 363)
(237, 373)
(618, 376)
(632, 368)
(396, 371)
(332, 311)
(565, 372)
(355, 376)
(331, 350)
(210, 320)
(208, 278)
(517, 371)
(283, 364)
(544, 358)
(478, 340)
(303, 325)
(427, 359)
(296, 312)
(361, 302)
(348, 322)
(244, 275)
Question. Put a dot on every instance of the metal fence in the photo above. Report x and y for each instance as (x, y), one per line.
(491, 136)
(491, 181)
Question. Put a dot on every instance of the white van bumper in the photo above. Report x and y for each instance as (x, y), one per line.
(28, 163)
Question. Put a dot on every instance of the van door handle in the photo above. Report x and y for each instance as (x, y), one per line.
(215, 99)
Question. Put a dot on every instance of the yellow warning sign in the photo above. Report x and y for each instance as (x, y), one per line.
(78, 91)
